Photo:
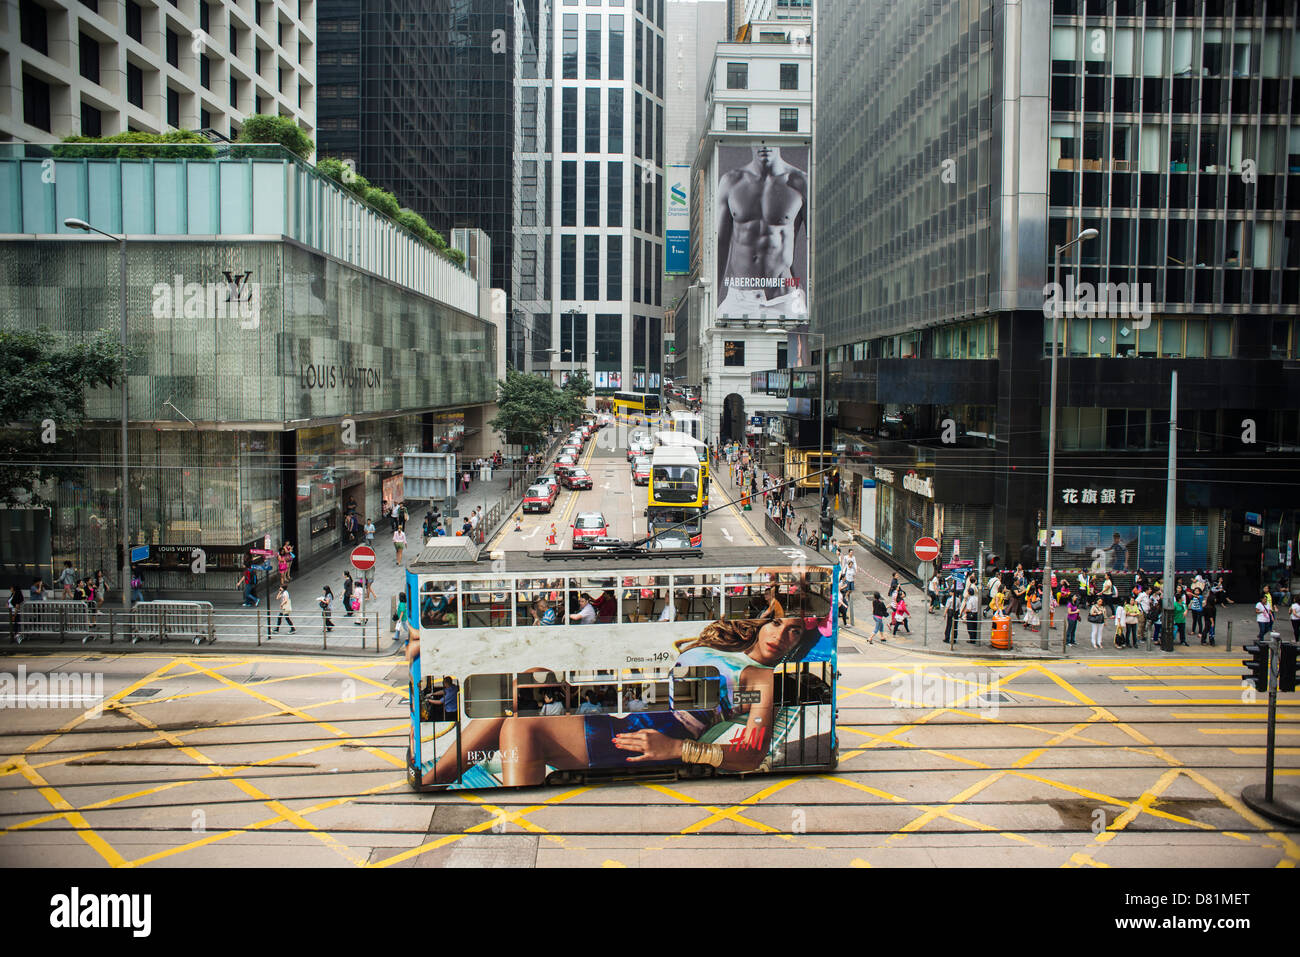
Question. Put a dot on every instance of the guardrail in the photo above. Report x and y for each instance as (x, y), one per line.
(197, 622)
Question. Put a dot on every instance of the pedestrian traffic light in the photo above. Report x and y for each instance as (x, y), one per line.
(1256, 666)
(1287, 667)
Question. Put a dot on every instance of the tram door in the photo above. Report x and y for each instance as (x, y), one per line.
(804, 734)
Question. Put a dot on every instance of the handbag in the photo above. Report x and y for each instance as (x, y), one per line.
(1096, 618)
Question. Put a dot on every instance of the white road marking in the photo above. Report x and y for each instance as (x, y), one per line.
(532, 533)
(726, 534)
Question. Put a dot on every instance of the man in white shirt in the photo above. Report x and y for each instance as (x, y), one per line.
(1144, 603)
(971, 612)
(1295, 618)
(849, 572)
(587, 616)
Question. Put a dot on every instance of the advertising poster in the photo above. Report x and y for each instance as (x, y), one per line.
(647, 692)
(616, 380)
(762, 222)
(602, 380)
(677, 222)
(1126, 548)
(867, 518)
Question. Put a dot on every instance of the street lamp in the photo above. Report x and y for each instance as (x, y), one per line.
(72, 223)
(1051, 431)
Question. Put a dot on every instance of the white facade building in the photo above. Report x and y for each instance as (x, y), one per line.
(106, 67)
(759, 97)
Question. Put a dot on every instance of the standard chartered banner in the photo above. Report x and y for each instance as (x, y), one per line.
(677, 222)
(762, 231)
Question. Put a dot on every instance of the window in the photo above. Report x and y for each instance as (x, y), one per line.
(205, 117)
(591, 194)
(134, 21)
(737, 118)
(636, 278)
(173, 108)
(638, 68)
(88, 53)
(614, 269)
(569, 120)
(609, 340)
(733, 352)
(569, 193)
(614, 196)
(233, 41)
(173, 48)
(789, 120)
(36, 102)
(591, 121)
(205, 16)
(789, 76)
(737, 76)
(568, 267)
(34, 29)
(135, 85)
(637, 201)
(593, 46)
(615, 125)
(234, 91)
(616, 47)
(569, 62)
(591, 267)
(638, 128)
(92, 122)
(205, 72)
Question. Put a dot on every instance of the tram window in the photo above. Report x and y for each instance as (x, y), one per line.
(646, 689)
(695, 597)
(433, 699)
(531, 592)
(802, 683)
(644, 597)
(696, 688)
(596, 692)
(488, 696)
(438, 604)
(486, 604)
(604, 594)
(543, 693)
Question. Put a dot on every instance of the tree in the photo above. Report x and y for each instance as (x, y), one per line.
(526, 406)
(261, 128)
(43, 388)
(576, 392)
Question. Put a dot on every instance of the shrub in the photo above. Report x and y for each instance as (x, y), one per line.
(383, 200)
(177, 144)
(261, 128)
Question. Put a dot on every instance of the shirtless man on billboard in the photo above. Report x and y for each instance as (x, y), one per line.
(762, 206)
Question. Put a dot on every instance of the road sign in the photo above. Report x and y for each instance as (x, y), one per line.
(140, 553)
(926, 549)
(261, 551)
(363, 557)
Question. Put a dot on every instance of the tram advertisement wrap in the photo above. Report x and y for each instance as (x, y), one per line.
(508, 706)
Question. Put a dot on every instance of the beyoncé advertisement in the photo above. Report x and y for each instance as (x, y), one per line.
(613, 679)
(762, 232)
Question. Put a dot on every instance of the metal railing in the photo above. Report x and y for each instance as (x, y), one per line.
(197, 622)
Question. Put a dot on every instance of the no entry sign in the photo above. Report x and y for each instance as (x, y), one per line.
(926, 549)
(363, 557)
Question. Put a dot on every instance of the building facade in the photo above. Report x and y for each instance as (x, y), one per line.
(287, 345)
(955, 158)
(753, 208)
(101, 68)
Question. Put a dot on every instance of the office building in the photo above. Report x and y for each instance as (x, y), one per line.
(952, 158)
(102, 67)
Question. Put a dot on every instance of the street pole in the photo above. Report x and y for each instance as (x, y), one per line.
(1171, 483)
(126, 494)
(1051, 435)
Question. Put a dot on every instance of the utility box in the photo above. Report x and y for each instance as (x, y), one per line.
(429, 476)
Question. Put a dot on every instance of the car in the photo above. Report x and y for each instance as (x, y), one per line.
(564, 463)
(576, 478)
(550, 480)
(570, 449)
(638, 443)
(641, 470)
(540, 498)
(588, 526)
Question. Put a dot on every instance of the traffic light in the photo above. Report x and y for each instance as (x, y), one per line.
(1287, 667)
(1256, 666)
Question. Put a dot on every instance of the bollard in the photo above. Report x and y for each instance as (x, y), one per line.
(324, 631)
(1229, 636)
(259, 631)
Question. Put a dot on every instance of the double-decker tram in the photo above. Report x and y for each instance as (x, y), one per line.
(555, 666)
(689, 423)
(676, 500)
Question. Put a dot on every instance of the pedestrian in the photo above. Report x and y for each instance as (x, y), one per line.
(1180, 620)
(249, 581)
(15, 610)
(1071, 620)
(1295, 617)
(402, 516)
(326, 600)
(283, 565)
(932, 589)
(803, 532)
(951, 612)
(878, 618)
(971, 612)
(1097, 620)
(286, 609)
(1264, 615)
(1120, 624)
(1143, 600)
(286, 550)
(399, 543)
(1196, 605)
(900, 613)
(37, 591)
(1108, 593)
(1211, 614)
(348, 585)
(101, 589)
(370, 588)
(849, 569)
(893, 585)
(67, 580)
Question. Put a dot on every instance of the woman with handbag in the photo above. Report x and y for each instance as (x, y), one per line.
(900, 613)
(326, 600)
(1097, 620)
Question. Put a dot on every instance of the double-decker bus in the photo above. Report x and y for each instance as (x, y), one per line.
(683, 670)
(644, 402)
(688, 423)
(683, 440)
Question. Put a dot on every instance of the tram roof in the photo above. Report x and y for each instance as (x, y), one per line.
(598, 561)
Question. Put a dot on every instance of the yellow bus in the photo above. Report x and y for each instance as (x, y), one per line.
(644, 402)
